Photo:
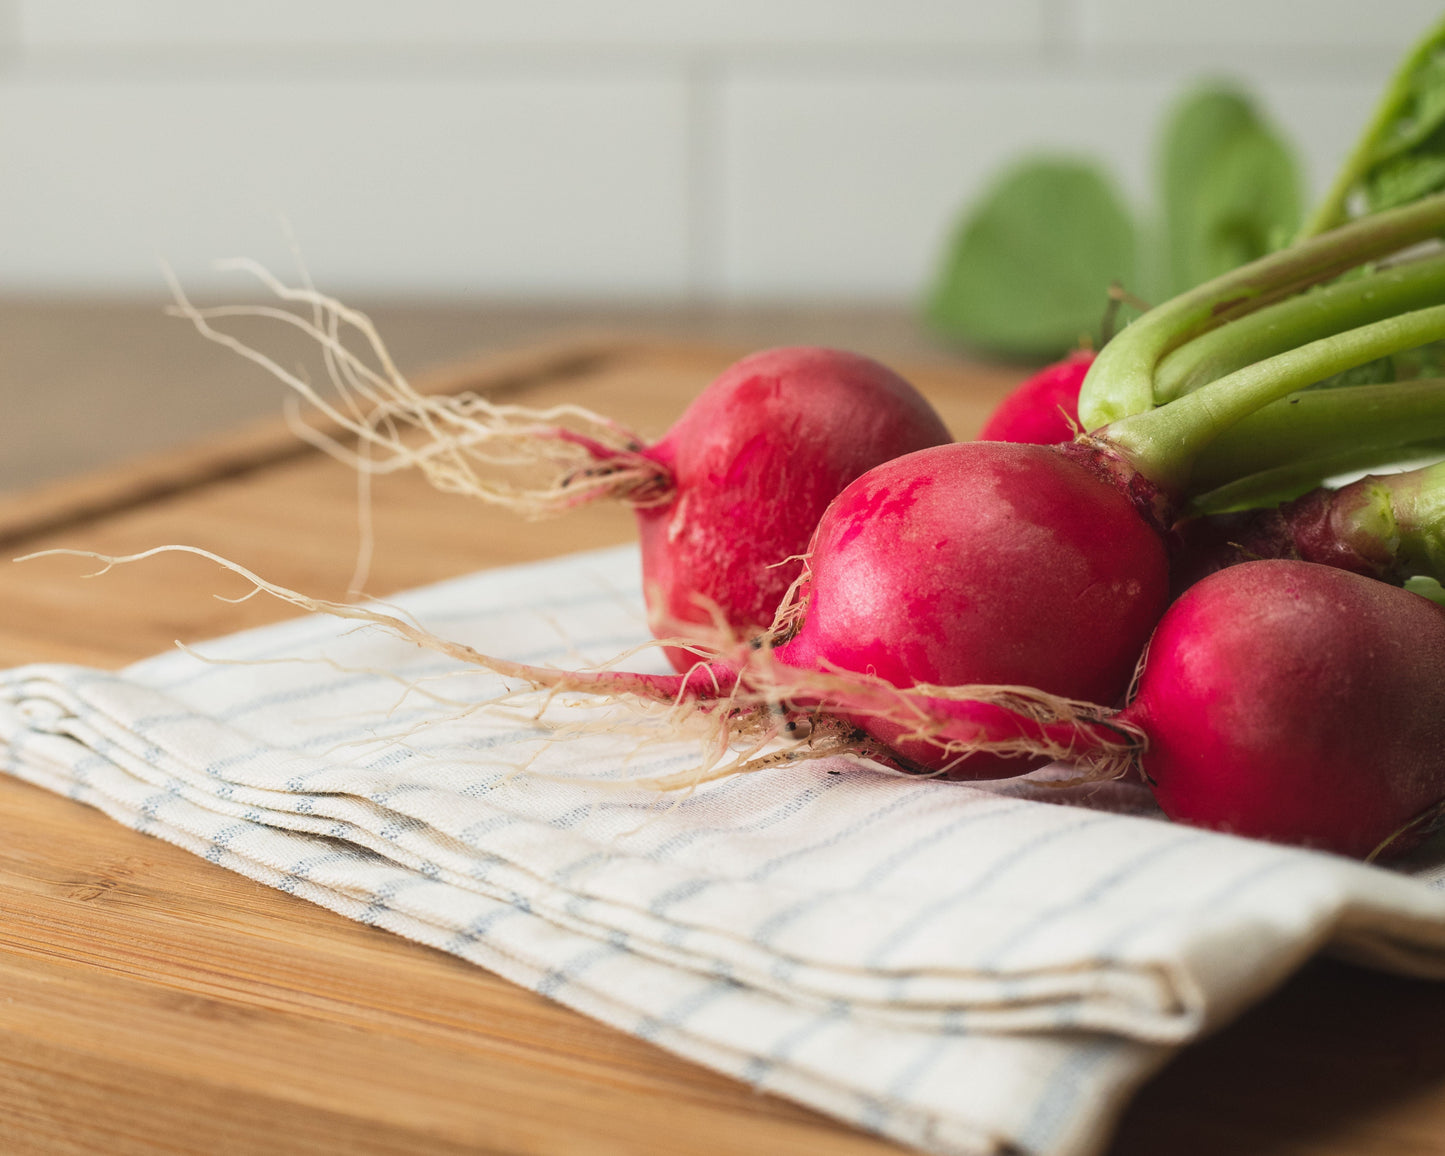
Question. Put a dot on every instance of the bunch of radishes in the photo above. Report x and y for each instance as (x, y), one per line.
(962, 602)
(827, 567)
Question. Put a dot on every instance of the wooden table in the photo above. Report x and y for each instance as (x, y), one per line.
(152, 1002)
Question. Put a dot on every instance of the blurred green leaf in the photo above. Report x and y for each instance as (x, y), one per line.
(1409, 160)
(1400, 157)
(1030, 265)
(1230, 186)
(1407, 177)
(1420, 113)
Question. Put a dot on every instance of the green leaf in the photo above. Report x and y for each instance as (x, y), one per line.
(1400, 157)
(1409, 160)
(1407, 177)
(1029, 268)
(1421, 109)
(1231, 188)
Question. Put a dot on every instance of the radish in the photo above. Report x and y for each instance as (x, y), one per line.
(742, 478)
(976, 563)
(977, 576)
(1044, 567)
(1043, 410)
(1297, 703)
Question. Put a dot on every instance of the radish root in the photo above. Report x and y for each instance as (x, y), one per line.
(536, 462)
(750, 712)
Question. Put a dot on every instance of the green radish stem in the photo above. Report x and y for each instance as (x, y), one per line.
(1415, 502)
(1120, 383)
(1369, 423)
(1389, 526)
(1123, 379)
(1287, 482)
(1310, 316)
(1162, 444)
(1333, 209)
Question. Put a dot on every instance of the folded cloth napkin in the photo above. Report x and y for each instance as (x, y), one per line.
(986, 968)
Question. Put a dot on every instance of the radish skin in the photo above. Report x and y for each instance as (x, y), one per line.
(1044, 410)
(750, 468)
(978, 563)
(1297, 703)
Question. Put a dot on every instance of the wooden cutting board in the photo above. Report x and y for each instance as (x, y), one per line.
(151, 1002)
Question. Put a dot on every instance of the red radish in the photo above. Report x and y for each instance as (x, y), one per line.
(989, 567)
(978, 563)
(1298, 703)
(981, 575)
(744, 475)
(1044, 410)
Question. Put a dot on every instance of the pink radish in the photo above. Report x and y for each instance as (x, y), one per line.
(1044, 410)
(1298, 703)
(994, 564)
(744, 475)
(977, 563)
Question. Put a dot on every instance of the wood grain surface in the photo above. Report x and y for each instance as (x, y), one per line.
(151, 1002)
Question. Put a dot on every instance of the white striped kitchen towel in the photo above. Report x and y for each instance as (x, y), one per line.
(966, 969)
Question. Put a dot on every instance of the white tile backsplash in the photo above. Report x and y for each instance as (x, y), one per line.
(759, 148)
(845, 187)
(549, 185)
(850, 188)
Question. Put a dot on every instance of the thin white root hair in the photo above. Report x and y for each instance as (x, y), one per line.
(534, 461)
(406, 686)
(771, 716)
(403, 627)
(1061, 729)
(720, 722)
